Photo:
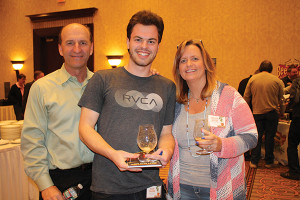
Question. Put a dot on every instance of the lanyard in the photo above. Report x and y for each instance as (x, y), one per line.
(187, 121)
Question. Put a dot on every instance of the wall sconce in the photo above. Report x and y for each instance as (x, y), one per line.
(17, 65)
(114, 61)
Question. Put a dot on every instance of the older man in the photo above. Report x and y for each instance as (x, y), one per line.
(54, 156)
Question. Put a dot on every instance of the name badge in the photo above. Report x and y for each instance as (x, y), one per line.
(216, 121)
(153, 192)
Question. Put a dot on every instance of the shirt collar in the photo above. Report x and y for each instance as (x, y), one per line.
(64, 76)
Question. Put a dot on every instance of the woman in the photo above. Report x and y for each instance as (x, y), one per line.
(221, 174)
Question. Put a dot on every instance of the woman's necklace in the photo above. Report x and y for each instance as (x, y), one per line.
(197, 99)
(187, 121)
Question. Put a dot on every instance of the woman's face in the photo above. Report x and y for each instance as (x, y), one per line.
(191, 66)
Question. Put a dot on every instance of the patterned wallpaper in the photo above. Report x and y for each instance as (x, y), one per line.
(238, 33)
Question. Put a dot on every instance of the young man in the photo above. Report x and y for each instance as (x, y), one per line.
(54, 156)
(118, 101)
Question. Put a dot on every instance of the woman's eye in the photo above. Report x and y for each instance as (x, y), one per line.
(183, 61)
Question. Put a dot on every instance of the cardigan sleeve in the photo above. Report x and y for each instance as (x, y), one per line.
(240, 133)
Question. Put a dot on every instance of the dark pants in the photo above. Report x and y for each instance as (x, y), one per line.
(266, 124)
(64, 179)
(293, 142)
(135, 196)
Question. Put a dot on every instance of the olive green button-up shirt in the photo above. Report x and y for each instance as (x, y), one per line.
(50, 137)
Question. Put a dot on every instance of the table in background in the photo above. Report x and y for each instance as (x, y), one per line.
(14, 183)
(281, 143)
(7, 113)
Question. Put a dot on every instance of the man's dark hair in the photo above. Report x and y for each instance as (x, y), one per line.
(20, 76)
(266, 66)
(292, 66)
(59, 35)
(36, 74)
(146, 18)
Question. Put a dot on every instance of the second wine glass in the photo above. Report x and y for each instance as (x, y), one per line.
(199, 134)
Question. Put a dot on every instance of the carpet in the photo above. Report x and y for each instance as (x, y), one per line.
(263, 183)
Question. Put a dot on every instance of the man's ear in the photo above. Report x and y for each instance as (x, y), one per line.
(60, 50)
(92, 49)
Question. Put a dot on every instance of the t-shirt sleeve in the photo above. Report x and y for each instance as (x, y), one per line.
(93, 93)
(170, 111)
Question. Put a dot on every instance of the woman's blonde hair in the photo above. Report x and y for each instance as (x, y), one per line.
(182, 88)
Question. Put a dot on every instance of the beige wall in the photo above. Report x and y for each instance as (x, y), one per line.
(239, 33)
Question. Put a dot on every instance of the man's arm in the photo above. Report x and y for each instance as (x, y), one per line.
(281, 98)
(96, 143)
(294, 97)
(33, 145)
(166, 145)
(247, 94)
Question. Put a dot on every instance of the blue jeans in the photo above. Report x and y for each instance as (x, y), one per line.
(189, 192)
(266, 124)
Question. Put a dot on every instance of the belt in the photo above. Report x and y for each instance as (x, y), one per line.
(84, 167)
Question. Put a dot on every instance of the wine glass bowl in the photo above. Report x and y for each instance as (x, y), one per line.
(146, 140)
(199, 134)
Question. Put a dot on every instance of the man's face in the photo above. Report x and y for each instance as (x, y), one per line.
(75, 46)
(293, 74)
(143, 44)
(41, 75)
(22, 81)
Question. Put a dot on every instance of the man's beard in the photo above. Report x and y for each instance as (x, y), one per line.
(136, 60)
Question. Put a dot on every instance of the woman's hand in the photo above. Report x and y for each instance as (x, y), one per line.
(210, 142)
(154, 71)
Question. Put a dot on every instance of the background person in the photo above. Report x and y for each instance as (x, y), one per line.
(54, 156)
(221, 174)
(15, 96)
(37, 75)
(118, 101)
(265, 92)
(241, 90)
(292, 73)
(294, 134)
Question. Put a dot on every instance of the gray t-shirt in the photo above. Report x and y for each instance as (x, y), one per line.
(194, 171)
(124, 102)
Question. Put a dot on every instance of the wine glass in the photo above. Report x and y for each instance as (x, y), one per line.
(198, 134)
(146, 140)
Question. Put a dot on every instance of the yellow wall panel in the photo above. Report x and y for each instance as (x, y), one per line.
(239, 33)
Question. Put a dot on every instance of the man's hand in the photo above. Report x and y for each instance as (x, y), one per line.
(52, 193)
(119, 158)
(163, 155)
